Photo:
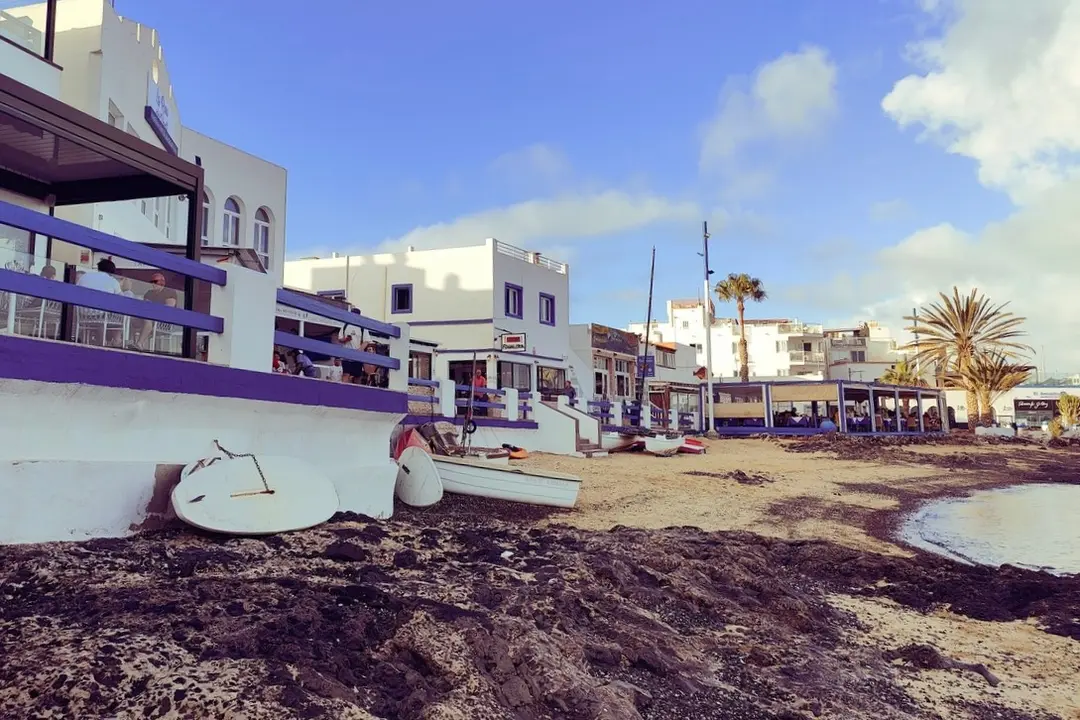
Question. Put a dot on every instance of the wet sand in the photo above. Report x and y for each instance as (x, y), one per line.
(790, 601)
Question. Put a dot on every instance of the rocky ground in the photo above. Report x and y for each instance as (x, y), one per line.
(476, 609)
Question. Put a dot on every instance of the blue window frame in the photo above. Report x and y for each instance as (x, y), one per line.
(401, 298)
(547, 309)
(513, 301)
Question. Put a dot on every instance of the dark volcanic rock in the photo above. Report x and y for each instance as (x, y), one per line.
(403, 618)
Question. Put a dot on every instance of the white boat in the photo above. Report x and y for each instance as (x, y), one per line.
(662, 445)
(502, 482)
(261, 495)
(612, 441)
(418, 483)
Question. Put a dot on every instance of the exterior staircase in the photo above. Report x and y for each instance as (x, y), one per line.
(585, 449)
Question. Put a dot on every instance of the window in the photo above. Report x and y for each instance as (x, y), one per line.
(622, 385)
(665, 358)
(419, 365)
(599, 362)
(622, 366)
(685, 324)
(547, 309)
(858, 356)
(205, 218)
(512, 297)
(262, 236)
(401, 298)
(515, 375)
(735, 348)
(230, 230)
(551, 379)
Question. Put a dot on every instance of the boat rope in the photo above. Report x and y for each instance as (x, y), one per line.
(234, 456)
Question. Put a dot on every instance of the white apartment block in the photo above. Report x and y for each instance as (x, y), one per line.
(114, 69)
(777, 348)
(862, 353)
(465, 299)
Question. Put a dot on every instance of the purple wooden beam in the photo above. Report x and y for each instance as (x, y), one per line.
(39, 287)
(54, 227)
(313, 306)
(321, 347)
(61, 362)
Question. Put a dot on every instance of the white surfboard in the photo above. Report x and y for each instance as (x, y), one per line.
(418, 481)
(199, 465)
(230, 496)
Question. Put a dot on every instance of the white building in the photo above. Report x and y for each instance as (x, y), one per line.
(507, 306)
(862, 353)
(777, 348)
(114, 69)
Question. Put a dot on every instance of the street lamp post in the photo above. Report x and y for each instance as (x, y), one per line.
(705, 302)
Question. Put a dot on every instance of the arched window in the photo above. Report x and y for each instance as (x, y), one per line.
(262, 236)
(231, 229)
(206, 215)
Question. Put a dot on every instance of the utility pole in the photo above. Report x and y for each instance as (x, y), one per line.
(705, 302)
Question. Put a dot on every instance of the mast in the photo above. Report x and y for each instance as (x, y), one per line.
(706, 300)
(648, 331)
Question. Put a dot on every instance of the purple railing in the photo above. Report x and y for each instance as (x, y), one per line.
(331, 312)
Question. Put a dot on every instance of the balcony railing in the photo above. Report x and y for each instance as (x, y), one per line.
(803, 357)
(29, 25)
(800, 329)
(530, 257)
(102, 308)
(848, 342)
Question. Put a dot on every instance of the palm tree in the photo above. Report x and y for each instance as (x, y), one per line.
(989, 375)
(953, 331)
(903, 373)
(740, 287)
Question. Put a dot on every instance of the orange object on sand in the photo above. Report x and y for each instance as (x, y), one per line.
(519, 454)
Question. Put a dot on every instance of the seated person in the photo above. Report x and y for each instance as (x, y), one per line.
(101, 279)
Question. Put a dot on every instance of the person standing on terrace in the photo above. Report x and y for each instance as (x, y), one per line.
(160, 295)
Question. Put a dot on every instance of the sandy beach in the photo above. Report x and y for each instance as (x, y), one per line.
(759, 580)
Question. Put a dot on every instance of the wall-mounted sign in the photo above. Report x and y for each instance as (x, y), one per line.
(646, 366)
(1047, 406)
(613, 340)
(512, 343)
(159, 116)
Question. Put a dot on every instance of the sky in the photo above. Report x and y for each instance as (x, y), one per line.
(858, 157)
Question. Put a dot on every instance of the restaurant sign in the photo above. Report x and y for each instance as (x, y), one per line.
(1042, 406)
(646, 366)
(512, 342)
(159, 117)
(616, 341)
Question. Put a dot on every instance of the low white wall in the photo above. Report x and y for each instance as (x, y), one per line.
(555, 433)
(29, 70)
(995, 431)
(80, 461)
(588, 426)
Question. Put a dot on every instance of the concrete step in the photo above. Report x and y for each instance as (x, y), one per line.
(589, 453)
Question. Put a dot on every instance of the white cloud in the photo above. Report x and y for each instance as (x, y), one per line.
(887, 210)
(538, 161)
(557, 220)
(790, 97)
(1001, 86)
(1027, 260)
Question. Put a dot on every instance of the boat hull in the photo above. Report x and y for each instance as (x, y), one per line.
(500, 482)
(692, 446)
(612, 441)
(662, 445)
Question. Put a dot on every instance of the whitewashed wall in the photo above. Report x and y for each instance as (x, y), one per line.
(533, 279)
(89, 455)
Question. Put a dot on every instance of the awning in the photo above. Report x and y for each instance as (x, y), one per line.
(50, 148)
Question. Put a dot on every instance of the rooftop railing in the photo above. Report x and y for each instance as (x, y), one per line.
(530, 257)
(29, 25)
(803, 357)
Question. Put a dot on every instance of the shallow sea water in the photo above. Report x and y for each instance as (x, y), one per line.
(1032, 526)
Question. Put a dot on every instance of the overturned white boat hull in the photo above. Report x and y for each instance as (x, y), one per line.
(501, 482)
(662, 445)
(616, 441)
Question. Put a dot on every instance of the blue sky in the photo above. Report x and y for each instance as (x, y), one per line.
(394, 118)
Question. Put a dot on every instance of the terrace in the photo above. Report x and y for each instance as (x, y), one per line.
(531, 257)
(801, 408)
